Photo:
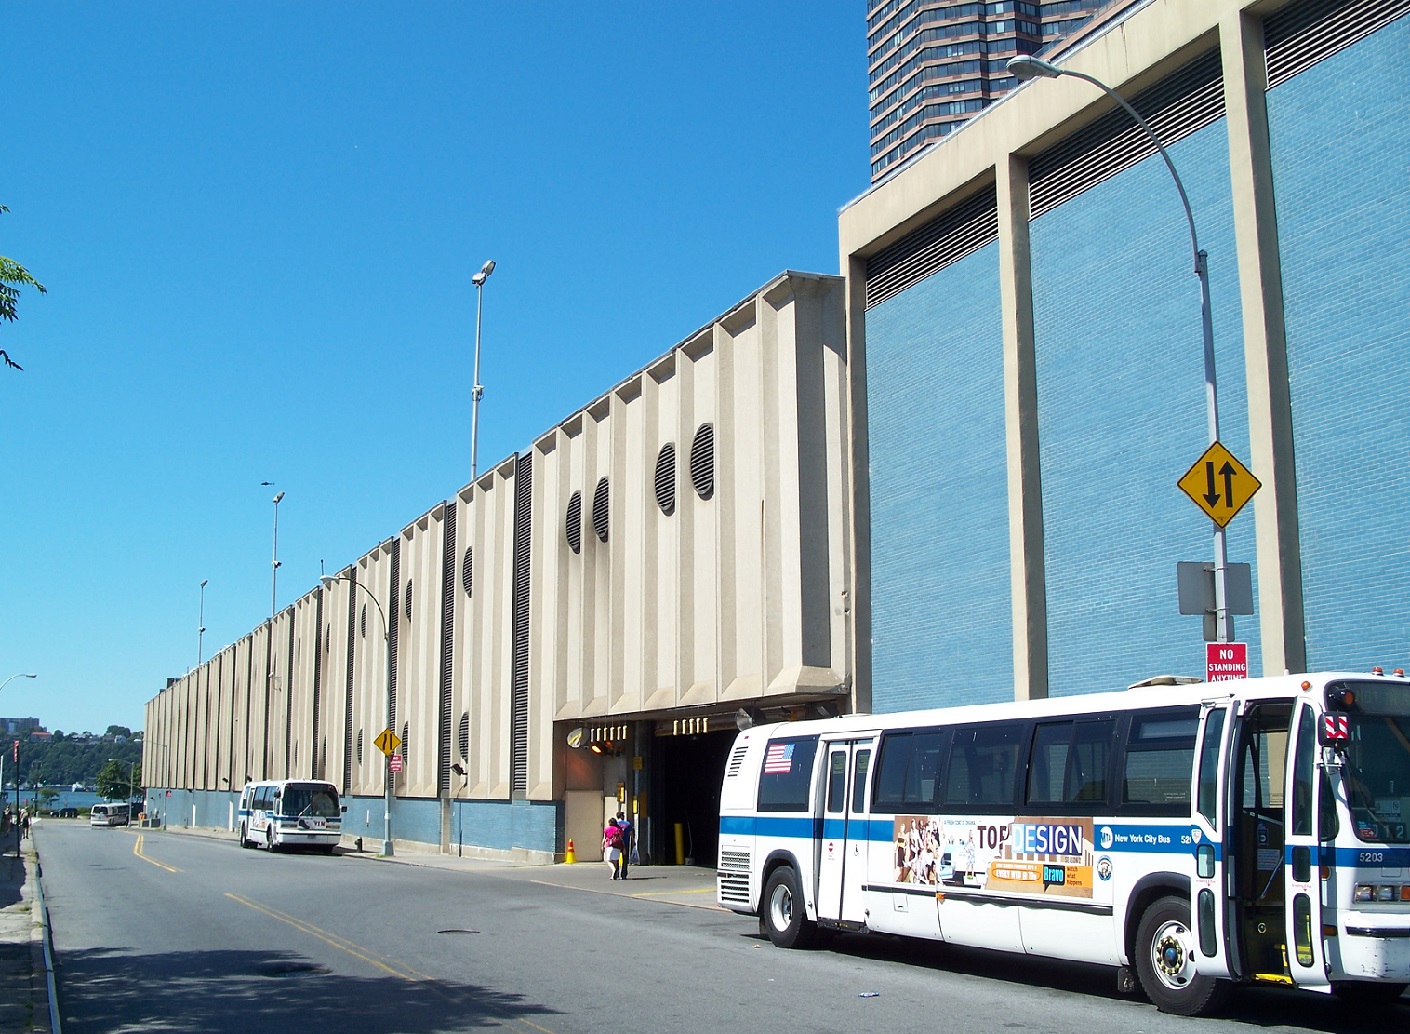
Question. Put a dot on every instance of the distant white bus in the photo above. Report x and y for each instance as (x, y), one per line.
(290, 813)
(1250, 831)
(110, 813)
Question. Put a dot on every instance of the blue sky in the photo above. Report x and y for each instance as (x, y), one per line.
(257, 223)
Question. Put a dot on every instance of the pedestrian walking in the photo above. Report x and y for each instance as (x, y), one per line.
(24, 824)
(628, 831)
(612, 847)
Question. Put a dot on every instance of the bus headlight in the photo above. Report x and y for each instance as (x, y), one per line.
(1381, 892)
(1364, 892)
(1386, 893)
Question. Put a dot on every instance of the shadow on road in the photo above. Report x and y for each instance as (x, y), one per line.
(1259, 1006)
(227, 991)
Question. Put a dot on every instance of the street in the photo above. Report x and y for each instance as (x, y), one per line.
(160, 931)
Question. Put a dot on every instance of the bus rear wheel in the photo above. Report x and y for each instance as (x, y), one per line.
(245, 840)
(783, 915)
(1165, 962)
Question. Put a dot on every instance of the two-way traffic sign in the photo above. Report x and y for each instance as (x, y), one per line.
(1219, 484)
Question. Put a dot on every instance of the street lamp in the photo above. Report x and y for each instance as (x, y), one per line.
(328, 580)
(21, 675)
(1025, 66)
(131, 778)
(201, 626)
(477, 389)
(274, 566)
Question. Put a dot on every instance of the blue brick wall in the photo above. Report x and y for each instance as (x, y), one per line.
(1341, 146)
(1119, 350)
(941, 612)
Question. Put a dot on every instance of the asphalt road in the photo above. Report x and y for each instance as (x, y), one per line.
(159, 932)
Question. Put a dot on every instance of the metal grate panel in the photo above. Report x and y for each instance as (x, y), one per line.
(1302, 34)
(443, 732)
(348, 692)
(925, 251)
(519, 620)
(702, 461)
(393, 627)
(736, 760)
(1177, 106)
(599, 510)
(666, 478)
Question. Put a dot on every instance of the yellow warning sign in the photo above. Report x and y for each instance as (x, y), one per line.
(387, 741)
(1219, 484)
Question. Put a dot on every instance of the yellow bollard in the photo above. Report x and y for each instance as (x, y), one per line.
(570, 857)
(680, 843)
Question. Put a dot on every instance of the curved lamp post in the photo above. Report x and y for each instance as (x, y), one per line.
(21, 675)
(477, 389)
(328, 580)
(1028, 67)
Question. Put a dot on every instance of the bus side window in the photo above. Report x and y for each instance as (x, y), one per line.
(908, 771)
(1303, 757)
(1069, 762)
(983, 771)
(1159, 762)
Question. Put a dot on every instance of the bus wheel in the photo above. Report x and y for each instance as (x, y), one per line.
(1165, 960)
(269, 844)
(245, 837)
(783, 917)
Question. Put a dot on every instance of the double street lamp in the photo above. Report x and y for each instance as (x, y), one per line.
(477, 389)
(1028, 67)
(328, 580)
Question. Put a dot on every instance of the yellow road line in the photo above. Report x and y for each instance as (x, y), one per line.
(332, 940)
(137, 850)
(400, 970)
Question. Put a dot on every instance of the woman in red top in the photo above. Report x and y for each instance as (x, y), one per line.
(612, 846)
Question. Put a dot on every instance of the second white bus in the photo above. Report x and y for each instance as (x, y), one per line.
(110, 814)
(1251, 831)
(290, 813)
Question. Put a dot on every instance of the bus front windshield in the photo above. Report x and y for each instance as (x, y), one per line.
(1377, 775)
(303, 799)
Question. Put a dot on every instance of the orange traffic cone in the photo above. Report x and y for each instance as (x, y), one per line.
(570, 856)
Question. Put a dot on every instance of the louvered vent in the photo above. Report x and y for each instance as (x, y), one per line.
(1180, 104)
(599, 510)
(318, 691)
(736, 760)
(519, 621)
(289, 703)
(573, 522)
(925, 251)
(444, 711)
(362, 622)
(405, 748)
(464, 736)
(666, 478)
(408, 599)
(1302, 34)
(392, 638)
(702, 461)
(467, 571)
(348, 694)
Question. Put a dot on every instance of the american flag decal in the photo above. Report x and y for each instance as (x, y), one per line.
(779, 759)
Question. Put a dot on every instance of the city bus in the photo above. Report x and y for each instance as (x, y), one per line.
(110, 813)
(290, 813)
(1203, 835)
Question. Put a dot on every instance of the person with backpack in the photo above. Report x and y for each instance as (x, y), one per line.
(625, 825)
(612, 846)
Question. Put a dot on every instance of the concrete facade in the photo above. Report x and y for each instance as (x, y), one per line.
(1026, 338)
(674, 551)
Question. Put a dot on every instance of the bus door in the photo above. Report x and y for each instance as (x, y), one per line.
(1256, 847)
(844, 844)
(1209, 897)
(1302, 881)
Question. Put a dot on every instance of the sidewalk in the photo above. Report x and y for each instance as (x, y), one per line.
(692, 886)
(24, 988)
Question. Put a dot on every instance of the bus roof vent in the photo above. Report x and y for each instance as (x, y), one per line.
(736, 760)
(1165, 680)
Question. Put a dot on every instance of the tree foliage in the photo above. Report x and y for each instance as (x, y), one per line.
(64, 760)
(13, 276)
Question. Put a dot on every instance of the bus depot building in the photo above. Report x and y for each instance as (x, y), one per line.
(1025, 327)
(574, 633)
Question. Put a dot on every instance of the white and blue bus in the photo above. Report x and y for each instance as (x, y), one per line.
(110, 813)
(290, 813)
(1205, 835)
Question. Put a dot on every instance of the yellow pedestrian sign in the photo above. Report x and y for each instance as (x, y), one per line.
(1219, 484)
(387, 741)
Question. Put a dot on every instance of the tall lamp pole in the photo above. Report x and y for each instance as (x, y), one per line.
(274, 564)
(201, 626)
(328, 580)
(477, 389)
(1029, 67)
